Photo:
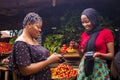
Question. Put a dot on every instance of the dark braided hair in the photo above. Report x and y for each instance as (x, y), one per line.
(31, 18)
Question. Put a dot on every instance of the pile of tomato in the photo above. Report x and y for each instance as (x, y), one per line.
(64, 71)
(5, 47)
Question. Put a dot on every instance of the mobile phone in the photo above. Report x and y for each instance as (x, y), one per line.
(61, 60)
(89, 54)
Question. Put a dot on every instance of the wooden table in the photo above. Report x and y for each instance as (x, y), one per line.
(71, 55)
(4, 68)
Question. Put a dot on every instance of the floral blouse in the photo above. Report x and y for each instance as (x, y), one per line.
(24, 54)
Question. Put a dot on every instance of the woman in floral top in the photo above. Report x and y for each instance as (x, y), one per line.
(28, 57)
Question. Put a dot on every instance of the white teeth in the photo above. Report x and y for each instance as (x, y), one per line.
(87, 27)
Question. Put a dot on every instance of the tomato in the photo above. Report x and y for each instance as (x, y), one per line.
(64, 71)
(5, 47)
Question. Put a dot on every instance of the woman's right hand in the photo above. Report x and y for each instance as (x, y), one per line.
(54, 57)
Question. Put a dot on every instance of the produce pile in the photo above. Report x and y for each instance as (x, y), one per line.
(5, 47)
(63, 71)
(53, 42)
(69, 49)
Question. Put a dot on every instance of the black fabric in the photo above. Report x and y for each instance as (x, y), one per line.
(88, 66)
(93, 16)
(90, 45)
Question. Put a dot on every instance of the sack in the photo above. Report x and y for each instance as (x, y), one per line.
(113, 71)
(88, 66)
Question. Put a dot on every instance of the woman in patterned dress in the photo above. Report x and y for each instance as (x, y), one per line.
(28, 57)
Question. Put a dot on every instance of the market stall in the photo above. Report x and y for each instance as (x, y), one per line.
(6, 41)
(66, 69)
(69, 66)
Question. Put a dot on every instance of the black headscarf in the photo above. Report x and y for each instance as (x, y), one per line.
(94, 17)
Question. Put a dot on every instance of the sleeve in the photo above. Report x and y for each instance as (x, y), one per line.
(22, 54)
(109, 36)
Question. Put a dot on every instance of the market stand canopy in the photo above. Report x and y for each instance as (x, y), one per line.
(13, 7)
(16, 9)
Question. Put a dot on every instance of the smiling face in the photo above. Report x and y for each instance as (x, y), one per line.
(86, 23)
(35, 29)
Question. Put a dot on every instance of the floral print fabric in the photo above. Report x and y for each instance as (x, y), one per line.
(24, 54)
(100, 71)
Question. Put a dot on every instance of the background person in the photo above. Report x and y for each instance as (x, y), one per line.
(117, 64)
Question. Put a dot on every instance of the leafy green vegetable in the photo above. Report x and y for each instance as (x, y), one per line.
(53, 42)
(12, 39)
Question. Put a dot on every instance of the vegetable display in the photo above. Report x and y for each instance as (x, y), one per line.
(53, 42)
(63, 71)
(5, 47)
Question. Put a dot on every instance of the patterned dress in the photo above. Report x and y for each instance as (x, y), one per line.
(24, 54)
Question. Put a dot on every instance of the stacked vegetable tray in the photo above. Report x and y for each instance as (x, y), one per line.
(5, 49)
(64, 72)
